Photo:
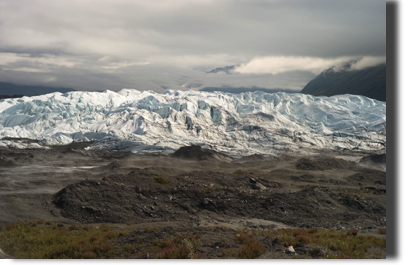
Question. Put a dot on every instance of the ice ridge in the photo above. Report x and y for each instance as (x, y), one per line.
(236, 124)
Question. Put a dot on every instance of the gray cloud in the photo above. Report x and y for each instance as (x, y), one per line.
(95, 45)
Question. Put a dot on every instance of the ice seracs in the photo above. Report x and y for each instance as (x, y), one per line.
(237, 124)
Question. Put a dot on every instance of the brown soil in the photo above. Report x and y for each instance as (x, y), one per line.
(67, 184)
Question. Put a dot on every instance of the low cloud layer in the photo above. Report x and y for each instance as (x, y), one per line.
(97, 45)
(281, 64)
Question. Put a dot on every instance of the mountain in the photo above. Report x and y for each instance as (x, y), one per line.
(13, 96)
(226, 69)
(234, 124)
(369, 82)
(238, 90)
(8, 89)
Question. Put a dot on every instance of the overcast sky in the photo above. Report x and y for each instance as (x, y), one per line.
(159, 45)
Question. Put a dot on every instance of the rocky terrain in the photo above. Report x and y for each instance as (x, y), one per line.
(195, 190)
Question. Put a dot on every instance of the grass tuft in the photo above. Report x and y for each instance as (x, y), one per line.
(161, 180)
(180, 246)
(251, 248)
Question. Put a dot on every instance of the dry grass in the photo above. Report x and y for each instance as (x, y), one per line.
(382, 230)
(161, 180)
(35, 239)
(352, 232)
(251, 248)
(340, 243)
(31, 240)
(180, 246)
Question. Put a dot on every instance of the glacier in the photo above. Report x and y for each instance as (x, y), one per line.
(235, 124)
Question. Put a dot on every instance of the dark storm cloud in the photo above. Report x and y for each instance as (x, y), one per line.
(107, 44)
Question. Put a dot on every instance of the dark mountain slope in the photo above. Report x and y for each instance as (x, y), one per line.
(369, 82)
(8, 89)
(237, 90)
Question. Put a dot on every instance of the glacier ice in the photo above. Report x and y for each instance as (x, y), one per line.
(236, 124)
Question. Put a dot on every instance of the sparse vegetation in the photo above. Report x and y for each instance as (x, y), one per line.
(180, 246)
(381, 230)
(28, 241)
(251, 248)
(229, 252)
(33, 240)
(340, 244)
(353, 232)
(161, 180)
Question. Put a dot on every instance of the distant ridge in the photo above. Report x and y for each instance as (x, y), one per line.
(227, 69)
(238, 90)
(369, 82)
(8, 89)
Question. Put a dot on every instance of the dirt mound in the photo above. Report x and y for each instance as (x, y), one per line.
(162, 171)
(195, 152)
(324, 163)
(375, 158)
(303, 178)
(114, 165)
(369, 176)
(4, 162)
(73, 147)
(255, 157)
(141, 197)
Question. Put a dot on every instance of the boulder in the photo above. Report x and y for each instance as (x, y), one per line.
(290, 250)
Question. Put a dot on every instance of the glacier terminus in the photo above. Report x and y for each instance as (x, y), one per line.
(235, 124)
